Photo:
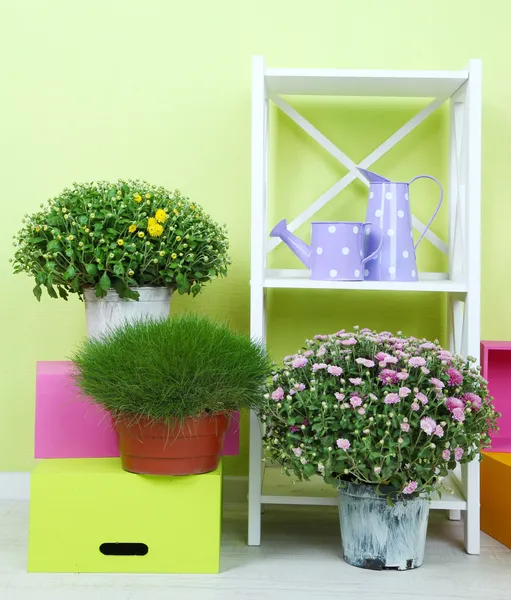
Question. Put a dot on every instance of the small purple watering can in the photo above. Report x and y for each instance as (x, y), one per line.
(389, 208)
(336, 251)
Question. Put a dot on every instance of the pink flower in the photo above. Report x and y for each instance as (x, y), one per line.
(355, 401)
(317, 366)
(382, 356)
(292, 392)
(373, 397)
(321, 351)
(455, 377)
(423, 399)
(361, 411)
(410, 488)
(391, 399)
(308, 353)
(333, 370)
(474, 400)
(446, 454)
(451, 403)
(444, 355)
(405, 427)
(391, 360)
(343, 444)
(299, 387)
(339, 396)
(428, 346)
(437, 383)
(320, 337)
(428, 425)
(349, 342)
(402, 376)
(458, 414)
(458, 453)
(415, 406)
(439, 431)
(299, 362)
(404, 392)
(425, 371)
(297, 451)
(294, 429)
(278, 394)
(377, 470)
(356, 380)
(388, 376)
(417, 361)
(365, 361)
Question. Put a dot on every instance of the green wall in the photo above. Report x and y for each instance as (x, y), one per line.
(160, 90)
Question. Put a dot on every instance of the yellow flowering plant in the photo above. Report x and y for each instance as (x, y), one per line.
(120, 235)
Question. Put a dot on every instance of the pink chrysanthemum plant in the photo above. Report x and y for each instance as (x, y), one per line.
(376, 408)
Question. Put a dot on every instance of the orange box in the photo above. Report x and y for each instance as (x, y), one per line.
(496, 496)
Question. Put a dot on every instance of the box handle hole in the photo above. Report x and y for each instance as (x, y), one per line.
(123, 549)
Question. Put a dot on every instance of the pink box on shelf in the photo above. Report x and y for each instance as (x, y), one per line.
(496, 368)
(67, 426)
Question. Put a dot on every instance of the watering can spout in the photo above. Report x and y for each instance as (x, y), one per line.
(373, 177)
(295, 244)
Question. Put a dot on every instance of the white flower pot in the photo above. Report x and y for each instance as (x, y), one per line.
(104, 314)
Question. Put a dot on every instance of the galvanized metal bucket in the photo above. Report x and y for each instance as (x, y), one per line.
(103, 314)
(378, 536)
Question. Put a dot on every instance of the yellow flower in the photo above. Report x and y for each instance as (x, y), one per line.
(192, 207)
(174, 255)
(153, 227)
(141, 234)
(131, 272)
(161, 252)
(132, 228)
(179, 204)
(160, 215)
(38, 228)
(148, 195)
(70, 237)
(176, 212)
(137, 198)
(178, 238)
(120, 242)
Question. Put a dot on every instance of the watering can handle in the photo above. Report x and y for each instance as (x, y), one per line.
(375, 253)
(437, 208)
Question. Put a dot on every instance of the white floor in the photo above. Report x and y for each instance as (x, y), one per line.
(298, 560)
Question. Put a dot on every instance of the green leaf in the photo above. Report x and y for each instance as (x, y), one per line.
(104, 283)
(54, 246)
(70, 253)
(37, 292)
(83, 219)
(40, 278)
(51, 291)
(118, 269)
(35, 240)
(62, 292)
(91, 269)
(69, 272)
(112, 231)
(120, 287)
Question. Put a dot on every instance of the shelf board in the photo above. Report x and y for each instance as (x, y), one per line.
(278, 488)
(299, 279)
(342, 82)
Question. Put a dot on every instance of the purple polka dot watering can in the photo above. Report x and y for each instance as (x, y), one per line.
(336, 251)
(389, 209)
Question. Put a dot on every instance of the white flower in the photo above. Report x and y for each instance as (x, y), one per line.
(399, 440)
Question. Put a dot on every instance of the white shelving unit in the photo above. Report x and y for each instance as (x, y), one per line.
(462, 89)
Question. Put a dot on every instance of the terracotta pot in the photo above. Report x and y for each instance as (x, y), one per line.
(187, 447)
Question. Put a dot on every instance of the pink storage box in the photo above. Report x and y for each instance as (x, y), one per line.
(496, 368)
(67, 426)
